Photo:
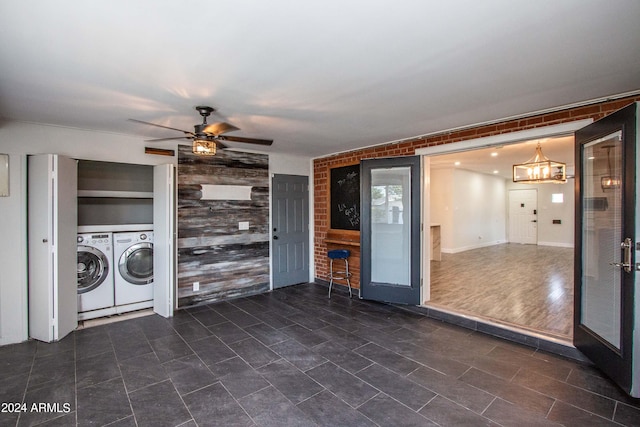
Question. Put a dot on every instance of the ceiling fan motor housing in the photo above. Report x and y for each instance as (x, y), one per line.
(205, 111)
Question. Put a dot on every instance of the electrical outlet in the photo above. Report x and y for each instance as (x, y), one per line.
(243, 225)
(196, 286)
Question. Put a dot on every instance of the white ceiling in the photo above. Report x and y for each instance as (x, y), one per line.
(318, 77)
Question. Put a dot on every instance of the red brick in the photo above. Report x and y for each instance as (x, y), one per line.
(322, 166)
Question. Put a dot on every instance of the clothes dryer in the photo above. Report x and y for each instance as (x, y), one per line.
(95, 273)
(133, 255)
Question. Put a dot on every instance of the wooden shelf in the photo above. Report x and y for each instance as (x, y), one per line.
(343, 242)
(116, 194)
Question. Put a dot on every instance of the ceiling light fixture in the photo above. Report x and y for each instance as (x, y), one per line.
(204, 147)
(540, 170)
(609, 181)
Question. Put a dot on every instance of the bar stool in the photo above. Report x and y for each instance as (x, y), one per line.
(339, 274)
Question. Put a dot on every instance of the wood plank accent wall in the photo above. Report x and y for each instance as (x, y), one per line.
(227, 262)
(324, 236)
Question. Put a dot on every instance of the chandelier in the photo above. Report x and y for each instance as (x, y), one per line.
(609, 181)
(540, 170)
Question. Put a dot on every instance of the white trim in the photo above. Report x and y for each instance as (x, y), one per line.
(556, 244)
(472, 247)
(505, 138)
(114, 227)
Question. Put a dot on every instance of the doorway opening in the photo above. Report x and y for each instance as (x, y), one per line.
(506, 249)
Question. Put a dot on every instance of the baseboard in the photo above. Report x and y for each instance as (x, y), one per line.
(557, 244)
(471, 247)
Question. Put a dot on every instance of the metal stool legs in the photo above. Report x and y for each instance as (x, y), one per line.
(340, 275)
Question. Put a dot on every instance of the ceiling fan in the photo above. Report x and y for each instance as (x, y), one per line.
(207, 138)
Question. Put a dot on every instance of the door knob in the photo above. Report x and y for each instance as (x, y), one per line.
(534, 220)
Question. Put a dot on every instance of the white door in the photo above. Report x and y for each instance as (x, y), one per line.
(523, 216)
(53, 300)
(164, 235)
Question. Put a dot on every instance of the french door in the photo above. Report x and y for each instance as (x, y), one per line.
(607, 245)
(390, 230)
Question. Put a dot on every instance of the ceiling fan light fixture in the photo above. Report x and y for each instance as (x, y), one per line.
(204, 147)
(540, 170)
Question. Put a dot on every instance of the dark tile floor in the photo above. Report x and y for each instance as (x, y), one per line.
(292, 357)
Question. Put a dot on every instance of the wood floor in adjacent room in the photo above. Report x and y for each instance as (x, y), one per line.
(528, 286)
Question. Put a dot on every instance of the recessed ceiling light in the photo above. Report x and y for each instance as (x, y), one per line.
(494, 154)
(495, 171)
(457, 163)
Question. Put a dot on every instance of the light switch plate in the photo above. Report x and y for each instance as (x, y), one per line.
(243, 225)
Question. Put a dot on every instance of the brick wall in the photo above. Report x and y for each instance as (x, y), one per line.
(322, 166)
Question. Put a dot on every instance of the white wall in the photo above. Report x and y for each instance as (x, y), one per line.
(550, 234)
(470, 207)
(479, 218)
(441, 210)
(20, 139)
(287, 164)
(472, 210)
(13, 254)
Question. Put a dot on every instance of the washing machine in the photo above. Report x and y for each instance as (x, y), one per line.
(95, 273)
(133, 257)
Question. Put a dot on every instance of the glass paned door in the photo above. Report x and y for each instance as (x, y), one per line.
(602, 237)
(390, 233)
(390, 230)
(606, 251)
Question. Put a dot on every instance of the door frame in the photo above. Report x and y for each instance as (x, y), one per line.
(470, 144)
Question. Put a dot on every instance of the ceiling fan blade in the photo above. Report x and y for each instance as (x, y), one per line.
(160, 126)
(247, 140)
(219, 128)
(221, 145)
(168, 139)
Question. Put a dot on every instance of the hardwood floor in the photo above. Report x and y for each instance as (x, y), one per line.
(528, 286)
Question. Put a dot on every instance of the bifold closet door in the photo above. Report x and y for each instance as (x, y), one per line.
(164, 239)
(52, 211)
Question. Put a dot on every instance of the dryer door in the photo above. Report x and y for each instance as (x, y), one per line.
(92, 268)
(136, 264)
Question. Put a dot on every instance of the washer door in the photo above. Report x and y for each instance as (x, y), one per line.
(136, 264)
(93, 267)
